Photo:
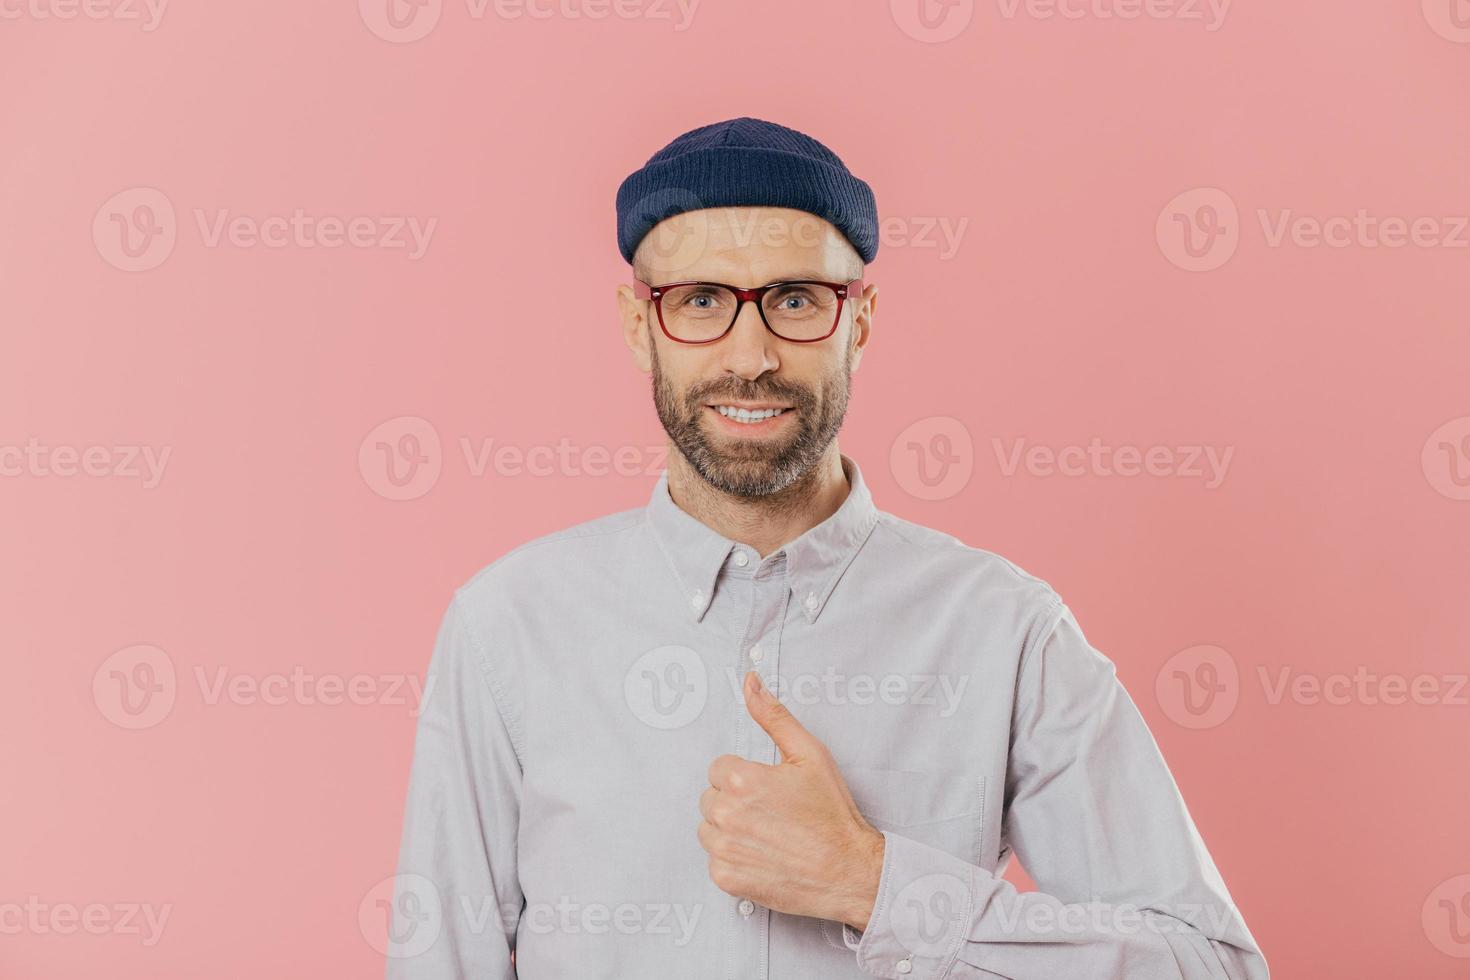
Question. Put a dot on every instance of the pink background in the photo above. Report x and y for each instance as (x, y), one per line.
(1337, 539)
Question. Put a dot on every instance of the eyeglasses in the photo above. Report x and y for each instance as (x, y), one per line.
(802, 311)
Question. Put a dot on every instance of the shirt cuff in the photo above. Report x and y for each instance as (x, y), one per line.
(919, 922)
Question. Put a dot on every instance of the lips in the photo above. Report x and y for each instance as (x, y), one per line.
(742, 421)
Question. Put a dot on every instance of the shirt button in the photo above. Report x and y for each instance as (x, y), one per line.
(696, 600)
(742, 559)
(811, 600)
(746, 906)
(904, 965)
(756, 653)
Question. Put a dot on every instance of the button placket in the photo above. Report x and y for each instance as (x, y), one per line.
(739, 595)
(769, 591)
(757, 648)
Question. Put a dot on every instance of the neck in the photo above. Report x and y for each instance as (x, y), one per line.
(762, 523)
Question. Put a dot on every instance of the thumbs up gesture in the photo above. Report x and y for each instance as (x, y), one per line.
(789, 836)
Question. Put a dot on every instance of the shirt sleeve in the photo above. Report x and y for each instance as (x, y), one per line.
(456, 899)
(1126, 887)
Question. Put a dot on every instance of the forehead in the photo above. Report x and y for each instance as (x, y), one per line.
(746, 246)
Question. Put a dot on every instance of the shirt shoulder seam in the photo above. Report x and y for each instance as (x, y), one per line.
(894, 525)
(476, 640)
(1041, 630)
(557, 537)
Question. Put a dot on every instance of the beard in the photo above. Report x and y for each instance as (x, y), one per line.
(753, 467)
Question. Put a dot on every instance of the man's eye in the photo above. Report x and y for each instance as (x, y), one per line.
(793, 297)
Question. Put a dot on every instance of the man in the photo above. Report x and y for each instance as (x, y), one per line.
(605, 785)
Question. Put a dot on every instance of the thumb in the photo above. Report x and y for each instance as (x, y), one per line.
(790, 736)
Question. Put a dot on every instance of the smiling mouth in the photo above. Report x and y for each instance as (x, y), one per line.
(749, 416)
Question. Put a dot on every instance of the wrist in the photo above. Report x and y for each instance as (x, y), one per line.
(863, 894)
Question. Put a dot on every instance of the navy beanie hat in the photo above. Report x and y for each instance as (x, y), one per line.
(746, 162)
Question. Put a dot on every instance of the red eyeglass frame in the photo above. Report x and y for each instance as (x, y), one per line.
(642, 290)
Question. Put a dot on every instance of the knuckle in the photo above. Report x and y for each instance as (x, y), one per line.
(722, 875)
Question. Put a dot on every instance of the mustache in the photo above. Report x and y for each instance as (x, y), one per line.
(797, 395)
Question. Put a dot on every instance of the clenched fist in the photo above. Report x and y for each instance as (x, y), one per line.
(789, 836)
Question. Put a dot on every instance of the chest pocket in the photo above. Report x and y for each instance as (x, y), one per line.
(945, 810)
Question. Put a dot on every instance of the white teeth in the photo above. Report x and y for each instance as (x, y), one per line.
(744, 415)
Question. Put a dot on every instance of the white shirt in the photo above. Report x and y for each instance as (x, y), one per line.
(585, 681)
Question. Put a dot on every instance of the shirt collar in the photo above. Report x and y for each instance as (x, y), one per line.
(814, 561)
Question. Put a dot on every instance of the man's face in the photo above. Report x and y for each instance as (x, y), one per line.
(697, 388)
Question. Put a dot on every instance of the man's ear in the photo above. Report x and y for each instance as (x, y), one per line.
(862, 322)
(634, 315)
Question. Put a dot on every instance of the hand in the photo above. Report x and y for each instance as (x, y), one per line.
(789, 836)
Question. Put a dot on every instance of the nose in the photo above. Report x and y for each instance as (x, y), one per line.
(749, 350)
